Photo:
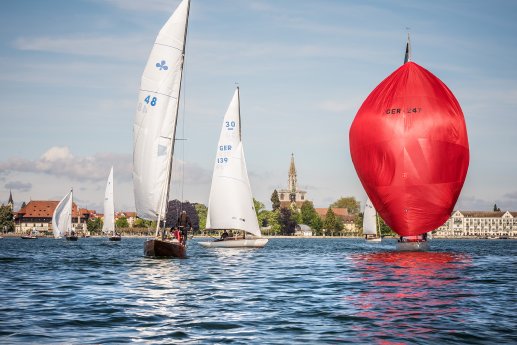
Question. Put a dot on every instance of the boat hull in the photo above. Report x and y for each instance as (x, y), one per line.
(71, 238)
(29, 237)
(420, 246)
(377, 239)
(244, 243)
(164, 249)
(114, 238)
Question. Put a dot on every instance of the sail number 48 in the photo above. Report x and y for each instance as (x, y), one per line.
(151, 101)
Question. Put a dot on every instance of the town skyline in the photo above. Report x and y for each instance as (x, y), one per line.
(70, 72)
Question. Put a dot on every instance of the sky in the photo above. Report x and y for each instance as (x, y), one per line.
(70, 72)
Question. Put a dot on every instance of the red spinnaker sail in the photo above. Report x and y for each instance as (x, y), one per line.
(410, 149)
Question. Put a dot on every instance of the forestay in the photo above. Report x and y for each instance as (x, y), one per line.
(62, 217)
(109, 207)
(230, 205)
(155, 120)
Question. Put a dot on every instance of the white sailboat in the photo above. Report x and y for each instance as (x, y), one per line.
(62, 218)
(108, 226)
(371, 223)
(154, 129)
(230, 206)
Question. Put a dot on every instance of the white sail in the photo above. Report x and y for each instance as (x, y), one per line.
(109, 207)
(62, 217)
(369, 219)
(155, 120)
(230, 205)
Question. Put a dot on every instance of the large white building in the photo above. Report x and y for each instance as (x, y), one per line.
(479, 224)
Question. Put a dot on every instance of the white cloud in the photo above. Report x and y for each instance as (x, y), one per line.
(59, 161)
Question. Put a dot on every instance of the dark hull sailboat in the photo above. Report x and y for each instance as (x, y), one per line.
(29, 237)
(164, 249)
(115, 238)
(71, 238)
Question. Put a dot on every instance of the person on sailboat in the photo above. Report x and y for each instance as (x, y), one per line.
(224, 235)
(182, 223)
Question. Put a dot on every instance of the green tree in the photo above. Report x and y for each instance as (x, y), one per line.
(330, 221)
(310, 217)
(273, 220)
(6, 219)
(94, 225)
(287, 221)
(121, 223)
(496, 209)
(23, 205)
(353, 206)
(202, 212)
(258, 206)
(142, 223)
(317, 225)
(275, 201)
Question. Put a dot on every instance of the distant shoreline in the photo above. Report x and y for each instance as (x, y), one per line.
(12, 235)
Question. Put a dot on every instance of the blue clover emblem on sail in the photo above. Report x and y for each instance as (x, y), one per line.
(161, 65)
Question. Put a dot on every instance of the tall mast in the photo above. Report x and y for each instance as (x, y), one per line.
(71, 211)
(239, 107)
(407, 56)
(167, 186)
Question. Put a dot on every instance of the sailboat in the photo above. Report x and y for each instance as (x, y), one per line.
(62, 218)
(230, 206)
(370, 223)
(409, 146)
(154, 130)
(108, 226)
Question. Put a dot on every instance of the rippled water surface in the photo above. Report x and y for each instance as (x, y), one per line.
(292, 291)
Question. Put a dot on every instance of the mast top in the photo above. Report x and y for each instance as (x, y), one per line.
(407, 56)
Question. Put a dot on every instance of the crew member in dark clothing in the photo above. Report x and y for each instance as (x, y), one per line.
(184, 224)
(224, 235)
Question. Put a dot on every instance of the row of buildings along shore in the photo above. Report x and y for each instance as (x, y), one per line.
(37, 216)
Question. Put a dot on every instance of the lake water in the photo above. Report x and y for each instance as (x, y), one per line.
(293, 291)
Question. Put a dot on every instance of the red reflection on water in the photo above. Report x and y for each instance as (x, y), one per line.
(407, 291)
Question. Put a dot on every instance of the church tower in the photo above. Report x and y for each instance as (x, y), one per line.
(10, 202)
(292, 195)
(291, 180)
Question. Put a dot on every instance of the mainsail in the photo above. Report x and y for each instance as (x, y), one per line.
(154, 126)
(109, 207)
(62, 217)
(369, 219)
(230, 205)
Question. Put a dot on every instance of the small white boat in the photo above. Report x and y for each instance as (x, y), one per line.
(108, 226)
(239, 243)
(371, 228)
(62, 218)
(230, 206)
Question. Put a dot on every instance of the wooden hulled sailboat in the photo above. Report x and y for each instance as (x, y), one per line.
(230, 206)
(154, 130)
(62, 219)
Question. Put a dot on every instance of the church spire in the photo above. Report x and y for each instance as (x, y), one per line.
(10, 202)
(292, 175)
